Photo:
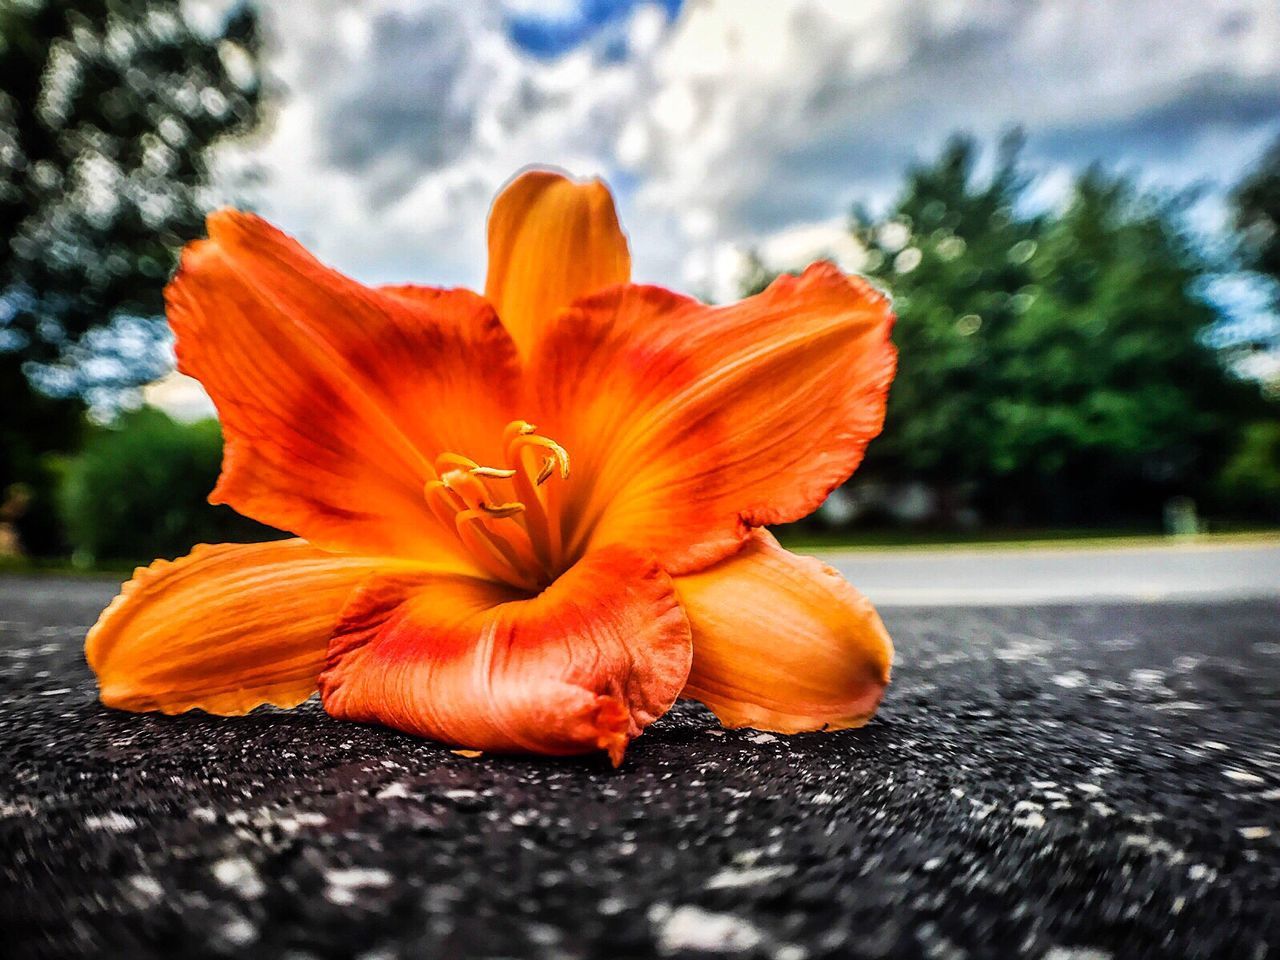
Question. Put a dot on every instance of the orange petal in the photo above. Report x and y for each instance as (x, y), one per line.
(584, 666)
(551, 240)
(783, 643)
(688, 424)
(335, 398)
(225, 628)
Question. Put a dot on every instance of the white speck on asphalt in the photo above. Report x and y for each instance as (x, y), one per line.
(239, 932)
(238, 874)
(18, 808)
(1154, 846)
(1027, 813)
(749, 877)
(1147, 679)
(1076, 953)
(112, 822)
(146, 889)
(692, 928)
(291, 823)
(343, 883)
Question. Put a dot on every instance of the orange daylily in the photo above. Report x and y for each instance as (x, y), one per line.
(465, 575)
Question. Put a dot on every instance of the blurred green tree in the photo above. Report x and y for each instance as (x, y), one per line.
(1256, 205)
(1111, 400)
(138, 490)
(1052, 366)
(954, 253)
(108, 109)
(1251, 478)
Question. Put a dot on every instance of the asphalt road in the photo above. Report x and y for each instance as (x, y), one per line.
(1064, 782)
(1195, 570)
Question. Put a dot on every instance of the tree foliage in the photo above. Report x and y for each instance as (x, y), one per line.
(1052, 365)
(1251, 477)
(1256, 205)
(953, 253)
(138, 489)
(108, 110)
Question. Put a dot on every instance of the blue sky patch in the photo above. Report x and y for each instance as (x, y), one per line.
(548, 36)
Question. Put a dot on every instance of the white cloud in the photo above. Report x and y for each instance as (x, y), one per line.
(743, 124)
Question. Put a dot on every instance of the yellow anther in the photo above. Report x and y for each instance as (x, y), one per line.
(548, 468)
(495, 473)
(516, 428)
(474, 495)
(561, 456)
(556, 455)
(501, 509)
(454, 461)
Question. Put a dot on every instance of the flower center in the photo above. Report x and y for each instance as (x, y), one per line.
(501, 513)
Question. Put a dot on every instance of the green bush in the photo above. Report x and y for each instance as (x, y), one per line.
(138, 490)
(1251, 478)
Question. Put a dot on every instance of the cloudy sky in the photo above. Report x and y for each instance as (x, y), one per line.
(726, 124)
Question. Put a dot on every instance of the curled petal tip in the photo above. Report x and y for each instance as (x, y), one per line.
(612, 722)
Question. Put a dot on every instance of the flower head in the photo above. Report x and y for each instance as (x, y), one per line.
(526, 521)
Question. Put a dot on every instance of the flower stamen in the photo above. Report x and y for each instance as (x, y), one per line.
(454, 461)
(492, 553)
(521, 438)
(501, 511)
(511, 538)
(557, 456)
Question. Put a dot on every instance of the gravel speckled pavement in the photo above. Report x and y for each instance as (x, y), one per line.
(1060, 782)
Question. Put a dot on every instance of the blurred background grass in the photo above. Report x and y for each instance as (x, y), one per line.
(1068, 368)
